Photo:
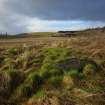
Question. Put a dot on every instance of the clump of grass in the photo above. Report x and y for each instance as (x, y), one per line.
(4, 84)
(81, 76)
(73, 72)
(12, 51)
(55, 81)
(9, 63)
(54, 54)
(16, 77)
(29, 87)
(51, 74)
(34, 80)
(39, 94)
(48, 70)
(25, 59)
(24, 91)
(9, 80)
(95, 89)
(1, 59)
(68, 81)
(89, 69)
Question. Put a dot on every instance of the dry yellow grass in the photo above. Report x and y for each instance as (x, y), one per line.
(90, 42)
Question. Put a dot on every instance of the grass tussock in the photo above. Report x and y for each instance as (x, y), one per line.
(28, 74)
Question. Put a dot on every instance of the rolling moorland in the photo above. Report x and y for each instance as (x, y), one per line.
(64, 68)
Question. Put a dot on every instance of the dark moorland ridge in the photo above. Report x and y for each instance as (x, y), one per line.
(46, 34)
(63, 68)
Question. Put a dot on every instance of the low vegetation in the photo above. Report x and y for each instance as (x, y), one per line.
(33, 75)
(58, 70)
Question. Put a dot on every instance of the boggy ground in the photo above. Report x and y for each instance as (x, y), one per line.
(31, 75)
(53, 70)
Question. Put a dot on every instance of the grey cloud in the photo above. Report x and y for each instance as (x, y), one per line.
(14, 12)
(60, 9)
(11, 24)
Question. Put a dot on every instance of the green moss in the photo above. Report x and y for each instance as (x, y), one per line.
(81, 76)
(48, 70)
(56, 72)
(55, 81)
(73, 72)
(90, 66)
(12, 51)
(44, 71)
(39, 94)
(89, 70)
(55, 54)
(47, 66)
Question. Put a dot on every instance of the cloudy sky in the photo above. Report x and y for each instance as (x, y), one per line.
(18, 16)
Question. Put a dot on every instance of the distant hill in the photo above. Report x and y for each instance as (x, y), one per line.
(31, 35)
(82, 32)
(91, 31)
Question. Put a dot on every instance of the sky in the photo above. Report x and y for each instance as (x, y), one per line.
(18, 16)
